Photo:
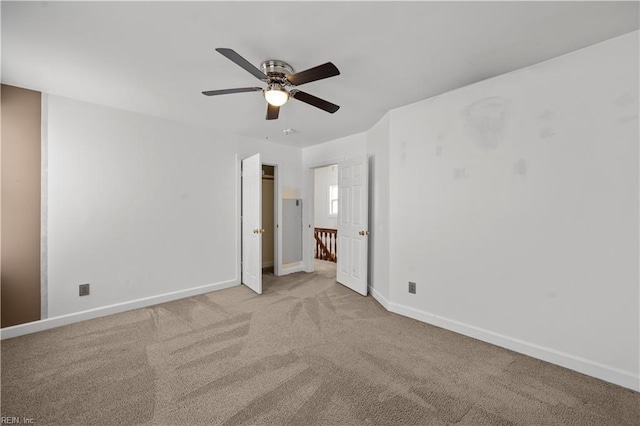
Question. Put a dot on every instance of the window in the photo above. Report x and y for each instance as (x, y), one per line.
(333, 200)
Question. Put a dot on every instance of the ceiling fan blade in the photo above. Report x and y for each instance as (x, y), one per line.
(314, 101)
(272, 112)
(229, 91)
(242, 62)
(312, 74)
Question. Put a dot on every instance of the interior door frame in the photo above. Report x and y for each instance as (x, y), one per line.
(277, 219)
(277, 205)
(308, 240)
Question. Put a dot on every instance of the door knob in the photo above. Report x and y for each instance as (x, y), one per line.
(255, 231)
(363, 233)
(262, 231)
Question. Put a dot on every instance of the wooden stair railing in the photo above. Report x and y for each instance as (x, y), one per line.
(326, 244)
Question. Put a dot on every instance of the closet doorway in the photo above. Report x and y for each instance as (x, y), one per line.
(269, 205)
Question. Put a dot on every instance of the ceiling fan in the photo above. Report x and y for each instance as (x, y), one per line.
(279, 76)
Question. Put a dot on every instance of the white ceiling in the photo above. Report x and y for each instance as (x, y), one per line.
(156, 57)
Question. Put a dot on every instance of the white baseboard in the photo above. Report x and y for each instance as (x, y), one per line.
(291, 268)
(380, 298)
(604, 372)
(59, 321)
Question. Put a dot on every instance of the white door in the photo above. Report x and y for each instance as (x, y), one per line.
(252, 223)
(353, 222)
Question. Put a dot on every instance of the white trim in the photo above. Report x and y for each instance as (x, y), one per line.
(49, 323)
(44, 206)
(601, 371)
(380, 298)
(238, 181)
(277, 218)
(327, 163)
(310, 190)
(307, 231)
(291, 268)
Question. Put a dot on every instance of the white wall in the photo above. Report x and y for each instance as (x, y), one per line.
(323, 178)
(379, 178)
(513, 203)
(140, 206)
(514, 206)
(334, 151)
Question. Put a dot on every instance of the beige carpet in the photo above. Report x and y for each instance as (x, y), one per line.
(306, 352)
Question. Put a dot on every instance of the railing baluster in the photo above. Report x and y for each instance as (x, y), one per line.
(333, 244)
(326, 244)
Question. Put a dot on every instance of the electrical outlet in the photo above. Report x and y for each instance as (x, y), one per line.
(84, 289)
(412, 287)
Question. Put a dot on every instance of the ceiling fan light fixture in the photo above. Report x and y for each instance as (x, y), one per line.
(279, 76)
(276, 95)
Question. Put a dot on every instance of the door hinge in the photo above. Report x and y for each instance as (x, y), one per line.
(241, 174)
(240, 218)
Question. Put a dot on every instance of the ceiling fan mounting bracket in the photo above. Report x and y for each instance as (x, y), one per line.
(275, 69)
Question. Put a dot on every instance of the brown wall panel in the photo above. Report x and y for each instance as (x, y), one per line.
(21, 157)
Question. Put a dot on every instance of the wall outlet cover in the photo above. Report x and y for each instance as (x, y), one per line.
(412, 287)
(84, 289)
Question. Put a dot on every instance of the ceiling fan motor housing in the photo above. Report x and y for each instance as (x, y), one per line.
(275, 68)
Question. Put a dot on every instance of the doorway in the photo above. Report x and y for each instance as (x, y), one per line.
(325, 219)
(269, 224)
(281, 230)
(352, 234)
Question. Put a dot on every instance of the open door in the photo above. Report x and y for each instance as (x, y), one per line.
(252, 223)
(353, 224)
